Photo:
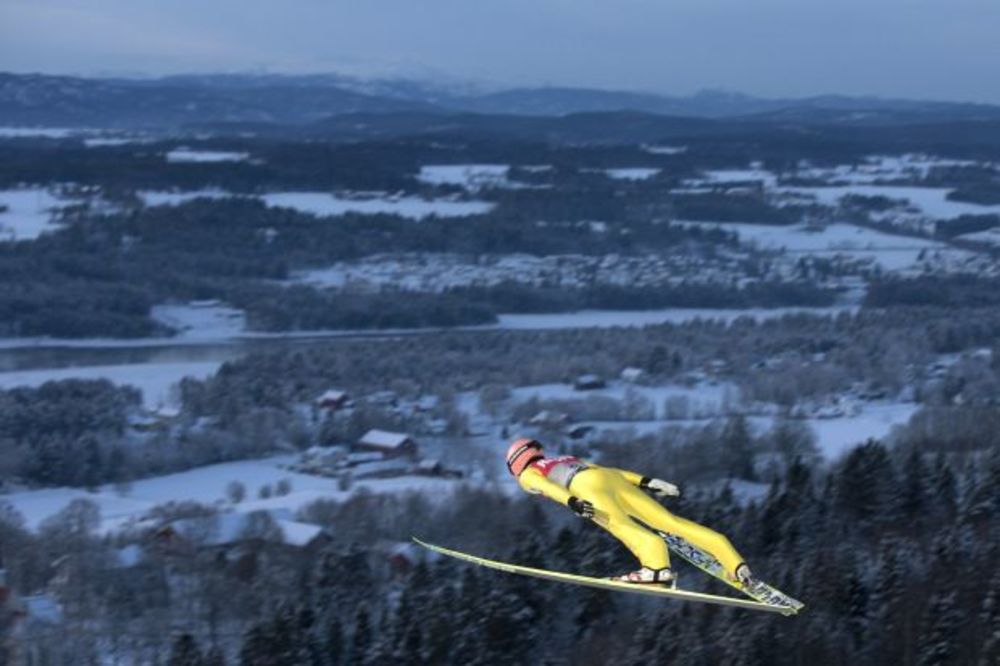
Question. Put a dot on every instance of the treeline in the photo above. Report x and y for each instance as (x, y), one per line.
(718, 207)
(891, 551)
(954, 291)
(81, 433)
(65, 433)
(304, 308)
(985, 193)
(512, 297)
(783, 359)
(101, 275)
(965, 224)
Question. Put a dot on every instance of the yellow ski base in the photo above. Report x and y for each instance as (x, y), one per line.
(606, 584)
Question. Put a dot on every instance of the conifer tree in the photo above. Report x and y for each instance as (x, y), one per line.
(334, 642)
(941, 622)
(184, 652)
(737, 448)
(361, 639)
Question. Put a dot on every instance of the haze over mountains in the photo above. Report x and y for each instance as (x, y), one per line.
(33, 100)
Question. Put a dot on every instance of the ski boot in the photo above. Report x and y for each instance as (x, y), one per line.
(744, 576)
(647, 576)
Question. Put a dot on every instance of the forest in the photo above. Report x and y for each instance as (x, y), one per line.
(891, 550)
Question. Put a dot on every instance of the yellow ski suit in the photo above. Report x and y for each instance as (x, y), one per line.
(615, 493)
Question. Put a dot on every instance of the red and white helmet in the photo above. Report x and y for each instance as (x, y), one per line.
(521, 453)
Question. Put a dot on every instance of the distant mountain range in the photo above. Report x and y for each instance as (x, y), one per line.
(177, 101)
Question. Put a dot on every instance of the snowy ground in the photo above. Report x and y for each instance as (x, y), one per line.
(881, 168)
(731, 176)
(39, 132)
(201, 321)
(189, 155)
(208, 485)
(155, 380)
(892, 252)
(324, 204)
(991, 236)
(876, 420)
(931, 202)
(113, 141)
(469, 176)
(29, 212)
(664, 150)
(154, 198)
(877, 176)
(632, 173)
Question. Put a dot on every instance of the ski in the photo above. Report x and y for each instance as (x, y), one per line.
(758, 590)
(607, 584)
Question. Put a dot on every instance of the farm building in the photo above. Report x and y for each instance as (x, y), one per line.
(389, 444)
(333, 399)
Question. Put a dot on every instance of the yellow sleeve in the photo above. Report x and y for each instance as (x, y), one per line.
(534, 482)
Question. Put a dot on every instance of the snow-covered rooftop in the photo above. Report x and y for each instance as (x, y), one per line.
(384, 439)
(228, 528)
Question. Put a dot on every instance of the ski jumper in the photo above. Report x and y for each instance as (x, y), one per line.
(630, 511)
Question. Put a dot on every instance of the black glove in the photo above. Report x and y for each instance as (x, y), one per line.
(580, 507)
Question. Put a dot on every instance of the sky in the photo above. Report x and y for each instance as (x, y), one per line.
(922, 49)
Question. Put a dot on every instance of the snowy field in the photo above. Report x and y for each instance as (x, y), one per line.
(155, 380)
(881, 168)
(731, 176)
(890, 251)
(990, 236)
(112, 141)
(931, 202)
(469, 176)
(664, 149)
(183, 154)
(207, 320)
(631, 173)
(39, 132)
(877, 176)
(154, 198)
(323, 204)
(836, 436)
(207, 485)
(29, 213)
